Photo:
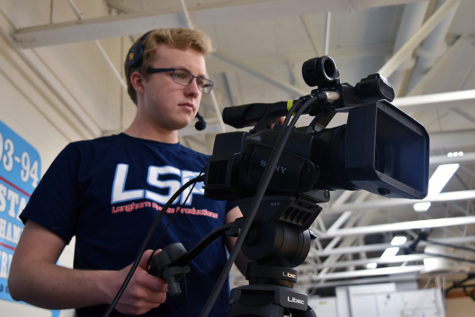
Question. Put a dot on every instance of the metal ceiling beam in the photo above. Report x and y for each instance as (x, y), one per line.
(399, 226)
(362, 219)
(452, 140)
(446, 70)
(444, 159)
(395, 202)
(432, 47)
(140, 22)
(94, 28)
(371, 272)
(406, 50)
(383, 246)
(363, 262)
(305, 282)
(411, 20)
(430, 102)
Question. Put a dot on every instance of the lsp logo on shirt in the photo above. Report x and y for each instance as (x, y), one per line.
(121, 194)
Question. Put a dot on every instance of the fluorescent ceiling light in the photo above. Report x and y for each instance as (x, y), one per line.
(389, 253)
(455, 154)
(441, 177)
(421, 207)
(437, 181)
(371, 265)
(398, 240)
(392, 251)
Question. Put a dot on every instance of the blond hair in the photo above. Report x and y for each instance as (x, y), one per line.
(179, 38)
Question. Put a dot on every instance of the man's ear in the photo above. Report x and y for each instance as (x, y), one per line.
(137, 79)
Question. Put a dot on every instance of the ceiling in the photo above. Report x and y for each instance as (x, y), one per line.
(425, 48)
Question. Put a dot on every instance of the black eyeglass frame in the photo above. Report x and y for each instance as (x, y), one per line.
(206, 87)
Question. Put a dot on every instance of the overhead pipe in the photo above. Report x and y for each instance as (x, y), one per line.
(433, 46)
(400, 226)
(460, 98)
(407, 49)
(213, 14)
(370, 272)
(411, 21)
(397, 202)
(382, 246)
(309, 283)
(327, 33)
(363, 262)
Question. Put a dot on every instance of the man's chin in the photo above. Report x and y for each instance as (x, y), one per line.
(179, 125)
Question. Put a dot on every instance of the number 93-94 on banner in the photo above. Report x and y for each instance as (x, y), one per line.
(19, 161)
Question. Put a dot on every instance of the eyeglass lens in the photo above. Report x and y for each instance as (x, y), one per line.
(184, 77)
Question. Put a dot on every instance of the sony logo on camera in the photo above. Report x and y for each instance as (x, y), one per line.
(279, 168)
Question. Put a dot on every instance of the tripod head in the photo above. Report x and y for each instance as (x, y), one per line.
(279, 234)
(278, 240)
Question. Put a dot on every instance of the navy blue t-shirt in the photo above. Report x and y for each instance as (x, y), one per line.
(108, 191)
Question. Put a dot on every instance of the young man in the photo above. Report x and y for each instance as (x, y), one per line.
(106, 192)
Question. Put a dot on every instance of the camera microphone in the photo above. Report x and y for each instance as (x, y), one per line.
(201, 123)
(247, 115)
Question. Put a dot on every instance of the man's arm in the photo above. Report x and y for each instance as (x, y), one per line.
(35, 278)
(241, 260)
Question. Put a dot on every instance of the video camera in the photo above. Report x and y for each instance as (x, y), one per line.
(280, 174)
(380, 149)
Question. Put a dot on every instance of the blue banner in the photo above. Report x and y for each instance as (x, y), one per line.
(20, 169)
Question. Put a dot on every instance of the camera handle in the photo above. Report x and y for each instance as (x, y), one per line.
(160, 267)
(171, 264)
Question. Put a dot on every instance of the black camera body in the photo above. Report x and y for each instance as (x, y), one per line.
(380, 149)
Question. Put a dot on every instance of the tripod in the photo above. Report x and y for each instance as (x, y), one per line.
(269, 294)
(279, 239)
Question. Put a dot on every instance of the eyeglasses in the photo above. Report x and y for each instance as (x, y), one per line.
(184, 77)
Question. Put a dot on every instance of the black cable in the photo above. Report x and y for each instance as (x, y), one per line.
(172, 219)
(450, 257)
(149, 235)
(461, 247)
(281, 141)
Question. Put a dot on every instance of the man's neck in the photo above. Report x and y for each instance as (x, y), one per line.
(152, 133)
